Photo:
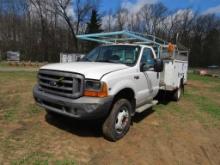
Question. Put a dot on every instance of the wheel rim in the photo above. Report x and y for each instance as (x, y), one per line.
(122, 119)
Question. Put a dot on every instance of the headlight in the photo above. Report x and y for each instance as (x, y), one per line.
(92, 85)
(95, 88)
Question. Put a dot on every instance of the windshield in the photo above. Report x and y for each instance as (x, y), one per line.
(123, 54)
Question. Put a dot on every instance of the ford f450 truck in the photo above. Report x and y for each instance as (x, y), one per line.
(113, 82)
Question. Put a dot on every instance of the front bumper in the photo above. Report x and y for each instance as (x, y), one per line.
(81, 108)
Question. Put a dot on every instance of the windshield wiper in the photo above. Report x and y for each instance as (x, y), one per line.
(109, 61)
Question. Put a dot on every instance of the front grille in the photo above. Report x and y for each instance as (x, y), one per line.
(61, 83)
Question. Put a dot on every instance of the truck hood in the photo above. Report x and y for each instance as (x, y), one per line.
(91, 70)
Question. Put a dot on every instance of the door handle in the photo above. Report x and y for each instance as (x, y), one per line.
(136, 77)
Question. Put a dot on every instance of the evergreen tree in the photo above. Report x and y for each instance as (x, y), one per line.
(94, 25)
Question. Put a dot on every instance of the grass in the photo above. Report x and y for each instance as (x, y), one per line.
(204, 79)
(17, 108)
(25, 135)
(200, 102)
(39, 158)
(34, 110)
(10, 114)
(3, 64)
(215, 89)
(204, 104)
(204, 98)
(35, 158)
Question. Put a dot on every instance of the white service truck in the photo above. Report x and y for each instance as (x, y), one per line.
(114, 81)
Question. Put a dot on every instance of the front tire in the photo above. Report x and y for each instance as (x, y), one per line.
(118, 122)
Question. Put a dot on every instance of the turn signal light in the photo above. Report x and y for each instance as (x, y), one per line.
(102, 93)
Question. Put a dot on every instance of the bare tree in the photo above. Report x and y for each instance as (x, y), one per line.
(154, 15)
(121, 18)
(109, 20)
(41, 10)
(41, 29)
(82, 10)
(62, 7)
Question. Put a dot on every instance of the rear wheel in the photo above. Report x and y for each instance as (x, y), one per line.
(178, 93)
(118, 122)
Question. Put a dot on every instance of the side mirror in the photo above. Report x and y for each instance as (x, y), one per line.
(158, 65)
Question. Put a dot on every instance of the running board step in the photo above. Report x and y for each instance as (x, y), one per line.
(146, 106)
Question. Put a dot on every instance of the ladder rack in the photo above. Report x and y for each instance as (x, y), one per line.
(123, 37)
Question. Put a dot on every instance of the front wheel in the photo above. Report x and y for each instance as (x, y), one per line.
(118, 122)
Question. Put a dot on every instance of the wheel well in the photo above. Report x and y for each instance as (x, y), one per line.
(128, 94)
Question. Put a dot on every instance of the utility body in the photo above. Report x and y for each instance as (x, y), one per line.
(114, 81)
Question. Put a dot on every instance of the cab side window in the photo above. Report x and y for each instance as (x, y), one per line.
(147, 58)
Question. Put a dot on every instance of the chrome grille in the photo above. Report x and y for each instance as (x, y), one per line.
(61, 83)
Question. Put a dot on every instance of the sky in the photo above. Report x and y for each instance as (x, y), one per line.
(201, 6)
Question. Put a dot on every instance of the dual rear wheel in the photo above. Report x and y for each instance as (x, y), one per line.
(178, 92)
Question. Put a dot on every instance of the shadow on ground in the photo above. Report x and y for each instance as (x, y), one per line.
(84, 128)
(93, 128)
(164, 97)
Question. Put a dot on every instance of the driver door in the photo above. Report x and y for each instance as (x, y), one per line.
(148, 83)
